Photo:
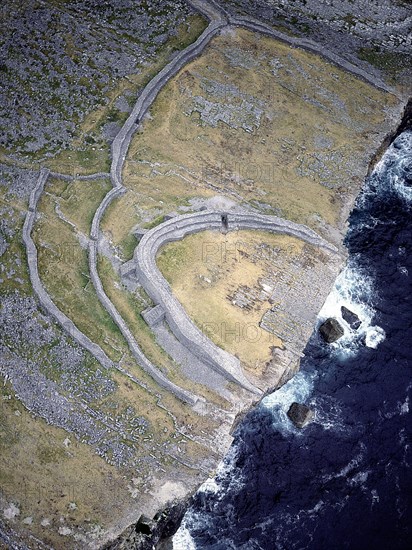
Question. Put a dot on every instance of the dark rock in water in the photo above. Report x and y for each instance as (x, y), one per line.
(300, 414)
(351, 318)
(331, 330)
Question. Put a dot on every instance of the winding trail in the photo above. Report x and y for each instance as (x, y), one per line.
(218, 19)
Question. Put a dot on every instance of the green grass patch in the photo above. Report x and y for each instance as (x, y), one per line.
(389, 62)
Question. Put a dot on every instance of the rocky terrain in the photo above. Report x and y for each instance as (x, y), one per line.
(89, 444)
(58, 60)
(374, 34)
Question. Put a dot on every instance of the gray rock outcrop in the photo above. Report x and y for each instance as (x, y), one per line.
(351, 318)
(331, 330)
(300, 414)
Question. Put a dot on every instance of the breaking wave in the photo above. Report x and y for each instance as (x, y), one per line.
(344, 480)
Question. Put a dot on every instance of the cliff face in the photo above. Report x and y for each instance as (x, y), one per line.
(405, 124)
(240, 126)
(231, 274)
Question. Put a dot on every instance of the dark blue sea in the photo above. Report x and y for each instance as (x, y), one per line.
(343, 482)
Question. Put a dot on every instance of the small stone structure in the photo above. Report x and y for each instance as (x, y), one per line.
(153, 315)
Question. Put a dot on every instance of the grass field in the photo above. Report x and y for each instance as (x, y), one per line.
(291, 137)
(219, 279)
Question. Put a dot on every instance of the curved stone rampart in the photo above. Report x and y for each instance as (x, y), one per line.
(38, 190)
(140, 357)
(119, 149)
(38, 288)
(257, 26)
(121, 142)
(274, 224)
(67, 323)
(161, 293)
(111, 195)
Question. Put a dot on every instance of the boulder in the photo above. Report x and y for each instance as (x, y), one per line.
(300, 414)
(351, 318)
(331, 330)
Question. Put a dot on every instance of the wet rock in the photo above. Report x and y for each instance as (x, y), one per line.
(351, 318)
(331, 330)
(300, 414)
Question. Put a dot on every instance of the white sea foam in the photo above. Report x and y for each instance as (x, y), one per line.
(374, 336)
(403, 156)
(353, 289)
(355, 462)
(395, 164)
(299, 389)
(374, 497)
(328, 413)
(401, 407)
(359, 479)
(183, 540)
(403, 190)
(403, 270)
(389, 173)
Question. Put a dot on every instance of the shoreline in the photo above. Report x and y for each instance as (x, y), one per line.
(168, 520)
(169, 517)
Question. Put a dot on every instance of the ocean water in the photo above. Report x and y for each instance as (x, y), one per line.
(343, 482)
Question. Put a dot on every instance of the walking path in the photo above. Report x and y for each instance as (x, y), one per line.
(177, 317)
